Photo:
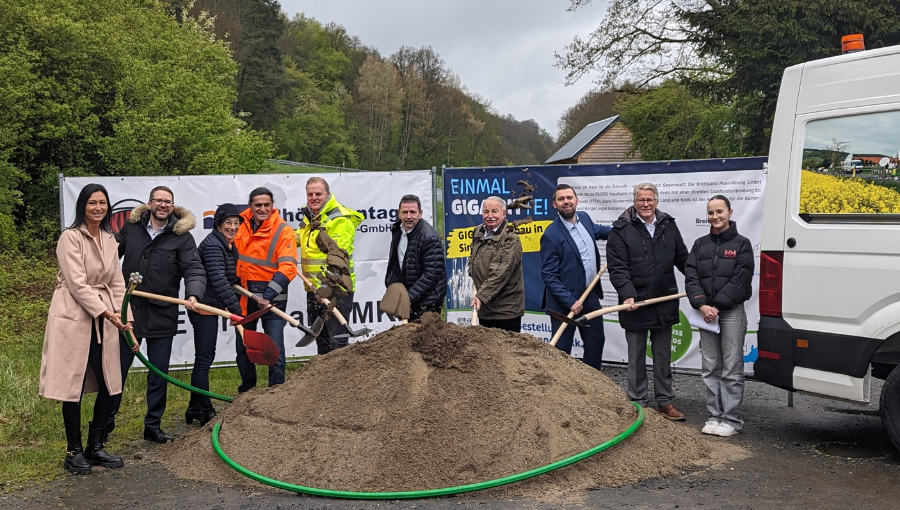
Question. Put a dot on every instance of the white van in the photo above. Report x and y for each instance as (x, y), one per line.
(830, 266)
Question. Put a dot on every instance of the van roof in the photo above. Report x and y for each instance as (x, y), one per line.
(851, 80)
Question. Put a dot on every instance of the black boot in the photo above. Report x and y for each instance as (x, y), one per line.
(207, 415)
(75, 462)
(193, 413)
(95, 452)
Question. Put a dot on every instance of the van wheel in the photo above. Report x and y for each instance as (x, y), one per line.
(890, 406)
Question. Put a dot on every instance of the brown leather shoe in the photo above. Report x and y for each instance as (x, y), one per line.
(670, 413)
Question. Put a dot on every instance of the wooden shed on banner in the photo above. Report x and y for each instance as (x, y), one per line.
(605, 141)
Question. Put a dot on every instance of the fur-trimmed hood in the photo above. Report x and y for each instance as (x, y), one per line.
(184, 223)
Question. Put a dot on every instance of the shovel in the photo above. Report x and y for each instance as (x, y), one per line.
(261, 350)
(474, 310)
(396, 301)
(337, 314)
(562, 327)
(310, 334)
(621, 308)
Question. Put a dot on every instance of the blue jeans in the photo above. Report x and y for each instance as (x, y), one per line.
(206, 332)
(273, 326)
(723, 366)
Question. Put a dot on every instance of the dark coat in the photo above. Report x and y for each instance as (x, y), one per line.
(495, 266)
(561, 266)
(720, 270)
(423, 272)
(642, 267)
(163, 262)
(221, 265)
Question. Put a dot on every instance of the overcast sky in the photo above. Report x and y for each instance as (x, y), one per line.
(501, 49)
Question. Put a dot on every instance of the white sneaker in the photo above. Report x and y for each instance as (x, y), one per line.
(725, 430)
(710, 427)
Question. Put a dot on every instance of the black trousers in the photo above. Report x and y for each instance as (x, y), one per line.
(71, 411)
(329, 339)
(514, 325)
(416, 312)
(593, 337)
(159, 350)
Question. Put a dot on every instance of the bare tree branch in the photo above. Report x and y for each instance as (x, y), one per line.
(641, 41)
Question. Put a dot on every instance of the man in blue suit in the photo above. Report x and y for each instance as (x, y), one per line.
(569, 262)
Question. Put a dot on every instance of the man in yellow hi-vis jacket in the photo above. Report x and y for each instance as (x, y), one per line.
(324, 213)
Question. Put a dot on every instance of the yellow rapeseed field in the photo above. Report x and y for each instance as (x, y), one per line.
(826, 194)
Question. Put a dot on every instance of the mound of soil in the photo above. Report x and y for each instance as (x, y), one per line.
(431, 405)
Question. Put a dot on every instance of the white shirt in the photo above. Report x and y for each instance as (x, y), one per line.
(584, 242)
(153, 233)
(651, 227)
(403, 244)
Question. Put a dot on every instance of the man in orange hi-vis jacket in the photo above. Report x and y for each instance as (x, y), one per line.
(267, 262)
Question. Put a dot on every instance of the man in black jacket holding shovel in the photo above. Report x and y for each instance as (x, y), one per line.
(643, 250)
(157, 243)
(416, 259)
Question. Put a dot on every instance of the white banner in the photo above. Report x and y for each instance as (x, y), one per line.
(684, 197)
(375, 194)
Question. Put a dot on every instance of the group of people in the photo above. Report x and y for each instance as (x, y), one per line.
(253, 248)
(643, 249)
(257, 250)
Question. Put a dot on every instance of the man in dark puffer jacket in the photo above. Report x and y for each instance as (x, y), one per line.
(157, 243)
(642, 252)
(416, 259)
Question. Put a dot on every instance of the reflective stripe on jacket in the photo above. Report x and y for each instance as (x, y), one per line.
(262, 254)
(340, 223)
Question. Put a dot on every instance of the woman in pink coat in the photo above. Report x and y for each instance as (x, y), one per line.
(81, 342)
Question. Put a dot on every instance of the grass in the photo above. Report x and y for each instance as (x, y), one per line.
(32, 437)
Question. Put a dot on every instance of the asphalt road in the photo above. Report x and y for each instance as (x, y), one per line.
(800, 459)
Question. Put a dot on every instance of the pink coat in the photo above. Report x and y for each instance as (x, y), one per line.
(89, 282)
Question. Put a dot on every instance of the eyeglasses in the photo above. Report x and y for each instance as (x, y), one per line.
(233, 223)
(160, 201)
(644, 200)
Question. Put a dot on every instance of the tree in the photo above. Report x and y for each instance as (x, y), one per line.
(377, 110)
(106, 88)
(260, 80)
(729, 51)
(593, 106)
(668, 122)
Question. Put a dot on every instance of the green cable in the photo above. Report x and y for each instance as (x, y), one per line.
(425, 493)
(131, 343)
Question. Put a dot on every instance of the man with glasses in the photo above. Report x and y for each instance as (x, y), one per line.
(267, 262)
(156, 242)
(642, 252)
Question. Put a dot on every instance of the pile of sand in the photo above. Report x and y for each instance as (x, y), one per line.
(431, 405)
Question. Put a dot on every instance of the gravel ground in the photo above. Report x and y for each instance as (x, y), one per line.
(799, 460)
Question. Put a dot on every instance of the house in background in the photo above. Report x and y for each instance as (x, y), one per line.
(605, 141)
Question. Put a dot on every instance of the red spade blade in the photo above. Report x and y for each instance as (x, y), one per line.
(261, 350)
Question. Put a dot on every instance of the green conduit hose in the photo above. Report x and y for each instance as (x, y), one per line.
(133, 282)
(425, 493)
(446, 491)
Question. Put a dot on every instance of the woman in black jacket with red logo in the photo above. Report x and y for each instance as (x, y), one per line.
(717, 281)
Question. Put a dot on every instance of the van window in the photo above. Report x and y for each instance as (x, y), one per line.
(849, 167)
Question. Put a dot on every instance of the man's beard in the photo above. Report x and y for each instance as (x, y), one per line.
(567, 215)
(153, 212)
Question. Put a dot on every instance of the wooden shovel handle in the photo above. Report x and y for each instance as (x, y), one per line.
(584, 296)
(198, 306)
(474, 310)
(619, 308)
(292, 321)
